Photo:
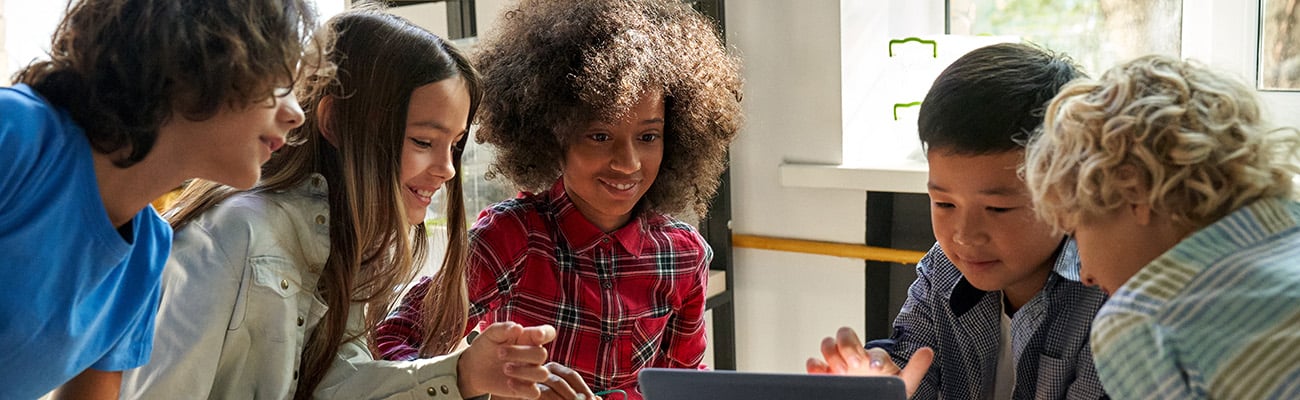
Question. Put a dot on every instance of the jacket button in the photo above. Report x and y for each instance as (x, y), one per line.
(320, 220)
(445, 390)
(432, 392)
(300, 321)
(284, 284)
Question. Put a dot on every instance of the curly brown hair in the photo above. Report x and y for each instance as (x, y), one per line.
(555, 65)
(122, 67)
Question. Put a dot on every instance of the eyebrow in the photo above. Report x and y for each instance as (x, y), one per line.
(995, 191)
(437, 126)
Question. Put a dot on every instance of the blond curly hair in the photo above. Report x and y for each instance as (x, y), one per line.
(1193, 138)
(555, 65)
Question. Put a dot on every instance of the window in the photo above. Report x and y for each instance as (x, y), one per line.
(1279, 53)
(1096, 33)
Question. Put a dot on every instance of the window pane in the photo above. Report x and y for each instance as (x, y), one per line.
(1096, 33)
(1279, 54)
(479, 192)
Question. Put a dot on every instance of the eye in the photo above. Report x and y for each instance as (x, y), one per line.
(599, 137)
(1001, 210)
(944, 205)
(650, 137)
(422, 143)
(282, 92)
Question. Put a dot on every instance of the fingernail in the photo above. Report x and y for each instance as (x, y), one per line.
(580, 396)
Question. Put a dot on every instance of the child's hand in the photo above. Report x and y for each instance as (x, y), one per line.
(564, 384)
(505, 360)
(844, 355)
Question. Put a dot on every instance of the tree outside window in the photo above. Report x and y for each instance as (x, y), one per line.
(1096, 33)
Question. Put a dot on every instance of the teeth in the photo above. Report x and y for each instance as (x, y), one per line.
(425, 193)
(624, 186)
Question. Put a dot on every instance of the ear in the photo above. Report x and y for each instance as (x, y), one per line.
(325, 110)
(1134, 192)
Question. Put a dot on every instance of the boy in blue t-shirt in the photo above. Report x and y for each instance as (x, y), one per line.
(136, 98)
(996, 305)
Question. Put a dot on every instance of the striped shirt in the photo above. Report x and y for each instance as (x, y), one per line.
(622, 301)
(1216, 316)
(1049, 334)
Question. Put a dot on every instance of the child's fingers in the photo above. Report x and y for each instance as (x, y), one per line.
(831, 353)
(916, 368)
(524, 389)
(571, 378)
(850, 347)
(536, 335)
(879, 360)
(817, 366)
(531, 373)
(556, 388)
(501, 332)
(535, 355)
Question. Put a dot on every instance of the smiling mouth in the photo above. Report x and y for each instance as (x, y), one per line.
(622, 187)
(274, 143)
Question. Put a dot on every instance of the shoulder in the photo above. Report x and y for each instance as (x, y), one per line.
(27, 113)
(34, 134)
(245, 220)
(510, 217)
(683, 237)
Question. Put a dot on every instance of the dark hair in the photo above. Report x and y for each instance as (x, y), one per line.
(555, 65)
(991, 100)
(380, 60)
(122, 68)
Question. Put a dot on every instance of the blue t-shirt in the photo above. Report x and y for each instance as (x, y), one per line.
(74, 294)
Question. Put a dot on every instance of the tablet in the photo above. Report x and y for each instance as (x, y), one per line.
(687, 384)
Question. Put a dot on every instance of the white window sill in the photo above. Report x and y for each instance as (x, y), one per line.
(899, 176)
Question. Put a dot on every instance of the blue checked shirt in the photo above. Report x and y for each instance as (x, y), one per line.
(1049, 334)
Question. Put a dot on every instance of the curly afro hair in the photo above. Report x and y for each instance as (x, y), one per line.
(555, 65)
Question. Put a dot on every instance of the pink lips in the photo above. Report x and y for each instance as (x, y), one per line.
(274, 143)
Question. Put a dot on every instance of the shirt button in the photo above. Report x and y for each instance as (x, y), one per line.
(320, 220)
(604, 240)
(606, 337)
(284, 284)
(607, 284)
(432, 392)
(300, 321)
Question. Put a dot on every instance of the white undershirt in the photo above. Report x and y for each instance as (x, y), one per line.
(1004, 383)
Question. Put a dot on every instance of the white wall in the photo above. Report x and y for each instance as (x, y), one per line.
(786, 302)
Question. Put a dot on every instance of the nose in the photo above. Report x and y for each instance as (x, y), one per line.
(290, 113)
(443, 166)
(969, 230)
(626, 159)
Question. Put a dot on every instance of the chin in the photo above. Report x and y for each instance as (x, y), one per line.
(415, 219)
(241, 183)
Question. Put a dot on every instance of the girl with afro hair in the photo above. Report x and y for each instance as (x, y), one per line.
(612, 116)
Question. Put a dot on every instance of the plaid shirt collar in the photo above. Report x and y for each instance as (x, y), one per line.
(582, 235)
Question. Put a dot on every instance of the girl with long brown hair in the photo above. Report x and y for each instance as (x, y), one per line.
(272, 292)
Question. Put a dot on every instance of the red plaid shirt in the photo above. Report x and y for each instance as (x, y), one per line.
(630, 299)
